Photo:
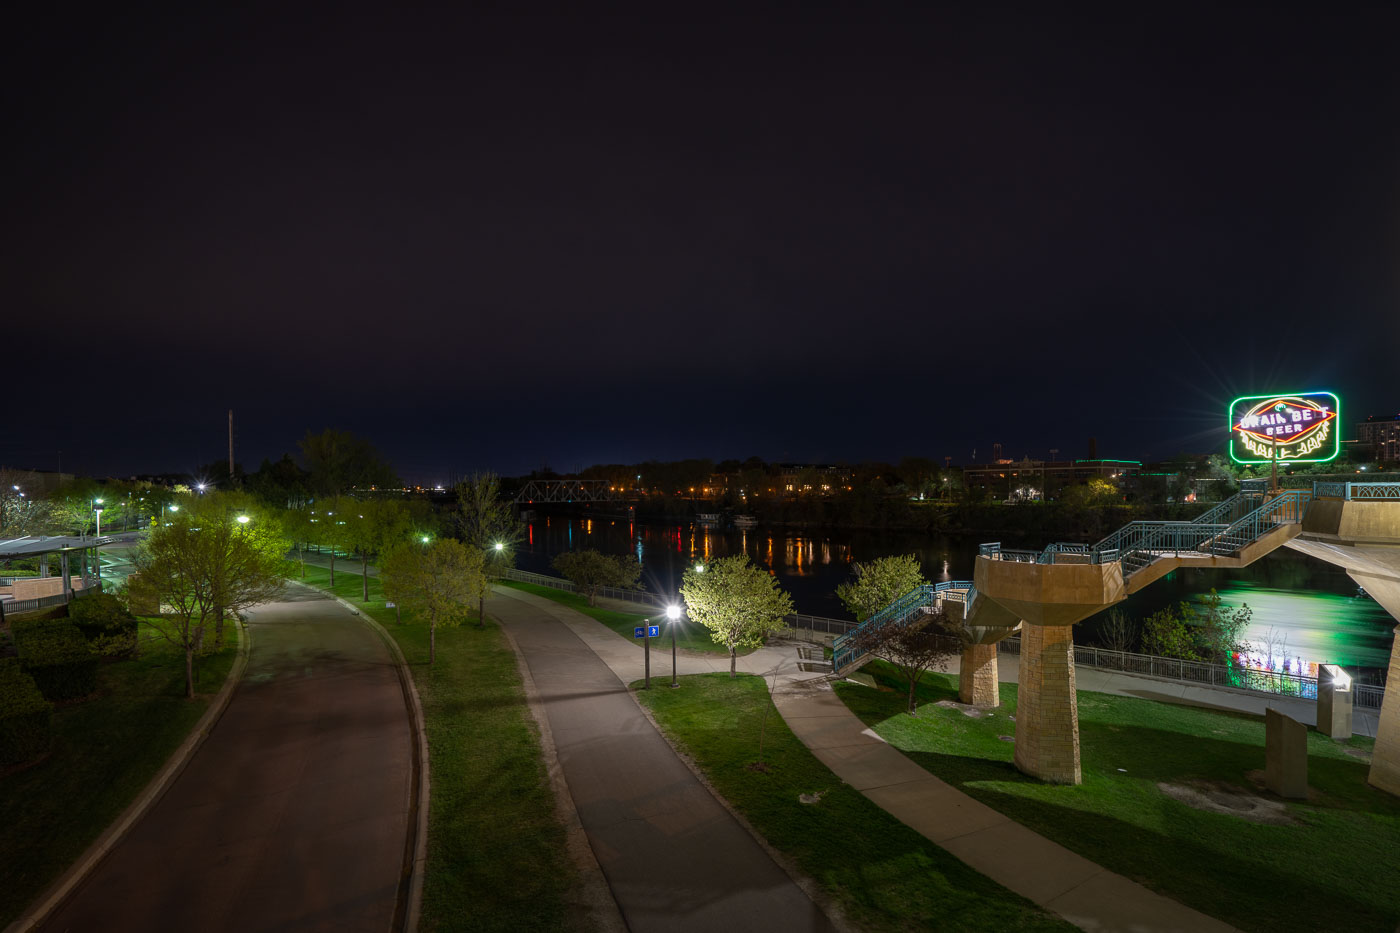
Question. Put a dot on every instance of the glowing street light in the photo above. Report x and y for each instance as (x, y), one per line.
(200, 487)
(500, 547)
(673, 615)
(242, 519)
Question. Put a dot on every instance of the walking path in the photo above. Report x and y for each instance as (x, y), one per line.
(995, 845)
(293, 814)
(674, 858)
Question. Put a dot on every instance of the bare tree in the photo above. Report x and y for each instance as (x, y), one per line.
(915, 651)
(1119, 633)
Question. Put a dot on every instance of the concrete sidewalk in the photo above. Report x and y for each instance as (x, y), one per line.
(673, 857)
(1043, 871)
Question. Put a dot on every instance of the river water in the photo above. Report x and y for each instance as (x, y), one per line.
(1303, 608)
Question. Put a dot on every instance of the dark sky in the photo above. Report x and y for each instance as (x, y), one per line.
(498, 241)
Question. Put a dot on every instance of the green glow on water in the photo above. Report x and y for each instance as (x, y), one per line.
(1313, 625)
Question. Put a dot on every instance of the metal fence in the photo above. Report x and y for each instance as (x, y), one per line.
(796, 620)
(1364, 696)
(11, 607)
(1353, 491)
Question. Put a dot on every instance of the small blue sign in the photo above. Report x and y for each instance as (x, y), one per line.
(654, 631)
(638, 632)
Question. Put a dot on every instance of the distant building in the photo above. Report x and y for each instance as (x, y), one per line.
(1380, 434)
(1041, 479)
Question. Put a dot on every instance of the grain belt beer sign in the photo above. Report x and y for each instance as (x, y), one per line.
(1300, 427)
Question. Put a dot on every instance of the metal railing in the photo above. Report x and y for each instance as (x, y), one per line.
(1247, 517)
(609, 592)
(1356, 491)
(851, 646)
(1364, 696)
(10, 607)
(820, 624)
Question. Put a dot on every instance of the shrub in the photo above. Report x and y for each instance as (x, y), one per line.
(106, 624)
(25, 728)
(59, 659)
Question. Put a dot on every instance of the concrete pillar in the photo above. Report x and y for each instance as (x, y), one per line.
(1334, 702)
(1047, 717)
(1385, 757)
(1285, 755)
(43, 565)
(67, 580)
(977, 676)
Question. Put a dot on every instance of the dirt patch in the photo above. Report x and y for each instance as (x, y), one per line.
(1217, 797)
(1361, 753)
(970, 712)
(811, 799)
(1007, 738)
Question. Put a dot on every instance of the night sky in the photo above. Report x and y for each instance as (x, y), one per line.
(498, 241)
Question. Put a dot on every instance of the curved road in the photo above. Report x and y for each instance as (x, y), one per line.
(293, 814)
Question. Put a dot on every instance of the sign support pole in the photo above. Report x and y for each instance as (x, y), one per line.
(646, 653)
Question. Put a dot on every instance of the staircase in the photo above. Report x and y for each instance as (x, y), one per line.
(913, 609)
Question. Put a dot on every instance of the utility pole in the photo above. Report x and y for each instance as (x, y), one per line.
(230, 448)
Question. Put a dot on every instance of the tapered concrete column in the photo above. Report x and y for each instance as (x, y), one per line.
(1385, 757)
(1047, 718)
(977, 676)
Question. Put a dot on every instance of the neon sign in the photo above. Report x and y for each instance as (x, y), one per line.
(1297, 428)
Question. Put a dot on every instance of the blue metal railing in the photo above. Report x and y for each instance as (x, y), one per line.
(850, 646)
(1355, 491)
(1223, 530)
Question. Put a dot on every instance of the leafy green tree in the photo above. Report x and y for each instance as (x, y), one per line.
(487, 521)
(1219, 629)
(205, 562)
(373, 526)
(332, 527)
(1166, 633)
(589, 570)
(879, 583)
(296, 524)
(438, 582)
(739, 603)
(338, 461)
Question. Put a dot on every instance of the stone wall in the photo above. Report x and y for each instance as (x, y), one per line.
(1047, 717)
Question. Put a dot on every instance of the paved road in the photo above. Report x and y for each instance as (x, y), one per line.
(675, 859)
(294, 814)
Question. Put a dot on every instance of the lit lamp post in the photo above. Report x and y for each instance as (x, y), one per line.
(97, 507)
(673, 615)
(171, 507)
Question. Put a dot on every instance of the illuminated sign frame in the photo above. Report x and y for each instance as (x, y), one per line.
(1310, 422)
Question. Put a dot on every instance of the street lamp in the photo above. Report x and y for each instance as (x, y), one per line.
(673, 615)
(500, 547)
(242, 519)
(97, 507)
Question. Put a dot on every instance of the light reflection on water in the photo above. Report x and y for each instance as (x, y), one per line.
(1310, 603)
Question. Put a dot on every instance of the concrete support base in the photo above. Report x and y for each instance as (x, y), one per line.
(1385, 757)
(1047, 718)
(977, 677)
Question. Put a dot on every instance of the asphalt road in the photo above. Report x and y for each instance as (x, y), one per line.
(294, 814)
(674, 858)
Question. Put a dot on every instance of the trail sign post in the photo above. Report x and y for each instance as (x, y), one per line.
(646, 633)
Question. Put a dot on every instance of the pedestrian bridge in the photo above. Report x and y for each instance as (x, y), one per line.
(1045, 593)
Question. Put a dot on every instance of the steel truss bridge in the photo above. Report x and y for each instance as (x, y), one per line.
(568, 490)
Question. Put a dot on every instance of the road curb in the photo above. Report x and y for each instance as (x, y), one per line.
(418, 858)
(78, 872)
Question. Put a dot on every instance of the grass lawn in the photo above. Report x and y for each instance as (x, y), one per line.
(496, 856)
(1337, 863)
(690, 635)
(885, 875)
(106, 749)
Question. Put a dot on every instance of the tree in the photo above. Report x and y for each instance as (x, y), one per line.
(338, 461)
(487, 521)
(739, 603)
(296, 523)
(915, 651)
(589, 570)
(1219, 628)
(438, 582)
(372, 527)
(1165, 633)
(203, 562)
(331, 526)
(879, 583)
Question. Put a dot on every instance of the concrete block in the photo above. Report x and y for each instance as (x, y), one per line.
(1385, 757)
(1334, 702)
(1285, 755)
